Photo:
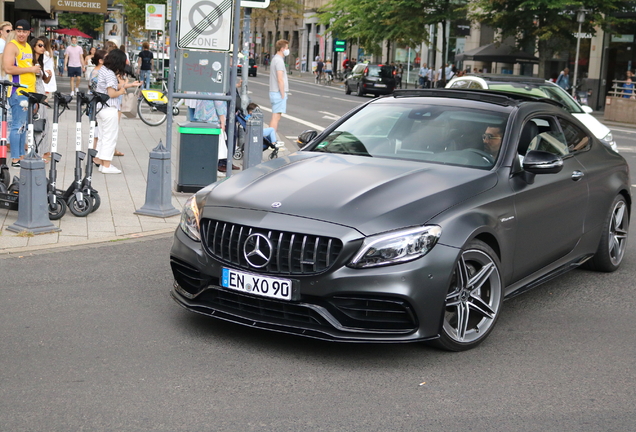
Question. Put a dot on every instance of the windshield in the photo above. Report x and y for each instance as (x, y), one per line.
(420, 132)
(553, 92)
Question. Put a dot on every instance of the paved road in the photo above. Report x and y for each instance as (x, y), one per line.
(95, 343)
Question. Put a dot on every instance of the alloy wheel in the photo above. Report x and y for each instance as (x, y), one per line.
(618, 232)
(474, 298)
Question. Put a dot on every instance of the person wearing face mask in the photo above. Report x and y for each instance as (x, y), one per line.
(278, 86)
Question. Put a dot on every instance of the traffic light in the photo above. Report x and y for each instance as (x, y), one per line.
(339, 45)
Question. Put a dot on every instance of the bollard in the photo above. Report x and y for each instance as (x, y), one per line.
(254, 140)
(33, 206)
(158, 191)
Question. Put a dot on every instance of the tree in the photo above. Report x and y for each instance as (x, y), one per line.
(90, 24)
(277, 10)
(403, 21)
(135, 12)
(548, 24)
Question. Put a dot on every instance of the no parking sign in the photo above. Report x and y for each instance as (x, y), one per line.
(205, 24)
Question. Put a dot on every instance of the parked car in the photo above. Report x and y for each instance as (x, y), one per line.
(409, 219)
(252, 71)
(375, 79)
(536, 87)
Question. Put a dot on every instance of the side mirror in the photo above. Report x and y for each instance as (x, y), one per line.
(305, 137)
(587, 109)
(542, 162)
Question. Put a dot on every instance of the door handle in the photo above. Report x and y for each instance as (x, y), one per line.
(577, 175)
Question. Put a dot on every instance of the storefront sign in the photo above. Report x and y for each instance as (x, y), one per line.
(629, 38)
(94, 6)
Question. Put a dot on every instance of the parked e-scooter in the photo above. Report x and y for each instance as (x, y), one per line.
(91, 101)
(79, 203)
(57, 204)
(8, 190)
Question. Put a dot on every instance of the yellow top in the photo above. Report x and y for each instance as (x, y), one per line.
(24, 59)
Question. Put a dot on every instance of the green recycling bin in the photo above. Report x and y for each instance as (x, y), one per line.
(198, 155)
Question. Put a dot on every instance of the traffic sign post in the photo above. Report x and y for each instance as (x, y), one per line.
(205, 25)
(339, 45)
(259, 4)
(155, 17)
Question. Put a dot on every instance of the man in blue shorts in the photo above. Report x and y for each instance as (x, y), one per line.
(278, 85)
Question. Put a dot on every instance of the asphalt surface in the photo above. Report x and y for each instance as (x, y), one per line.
(91, 340)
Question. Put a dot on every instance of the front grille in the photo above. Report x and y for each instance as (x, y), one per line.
(292, 253)
(262, 309)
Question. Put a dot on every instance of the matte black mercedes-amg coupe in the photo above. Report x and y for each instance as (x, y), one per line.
(410, 219)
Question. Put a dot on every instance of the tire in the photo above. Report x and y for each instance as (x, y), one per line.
(476, 292)
(80, 209)
(359, 91)
(175, 111)
(148, 114)
(58, 210)
(347, 89)
(238, 154)
(611, 248)
(97, 201)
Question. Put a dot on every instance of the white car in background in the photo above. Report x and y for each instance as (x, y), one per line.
(536, 87)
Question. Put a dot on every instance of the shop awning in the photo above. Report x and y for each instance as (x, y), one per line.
(497, 52)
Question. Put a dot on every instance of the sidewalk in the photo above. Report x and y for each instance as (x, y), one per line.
(121, 194)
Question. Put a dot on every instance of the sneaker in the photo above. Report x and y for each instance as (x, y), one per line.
(111, 170)
(15, 164)
(280, 144)
(100, 168)
(72, 93)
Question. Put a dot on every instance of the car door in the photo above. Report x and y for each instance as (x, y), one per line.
(356, 75)
(550, 209)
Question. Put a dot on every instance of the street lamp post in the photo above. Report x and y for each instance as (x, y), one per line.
(580, 18)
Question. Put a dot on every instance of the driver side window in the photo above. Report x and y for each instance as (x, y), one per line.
(544, 134)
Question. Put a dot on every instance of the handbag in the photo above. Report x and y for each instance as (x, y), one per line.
(129, 105)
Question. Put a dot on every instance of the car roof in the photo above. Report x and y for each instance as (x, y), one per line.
(488, 96)
(506, 78)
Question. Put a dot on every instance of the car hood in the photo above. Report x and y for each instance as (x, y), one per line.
(598, 129)
(368, 194)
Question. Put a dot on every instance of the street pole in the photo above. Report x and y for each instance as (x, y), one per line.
(247, 22)
(580, 17)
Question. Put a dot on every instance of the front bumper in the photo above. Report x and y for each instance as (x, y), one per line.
(401, 303)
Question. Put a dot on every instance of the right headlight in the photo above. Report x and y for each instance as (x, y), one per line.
(190, 218)
(396, 247)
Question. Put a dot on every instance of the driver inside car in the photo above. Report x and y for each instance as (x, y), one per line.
(492, 138)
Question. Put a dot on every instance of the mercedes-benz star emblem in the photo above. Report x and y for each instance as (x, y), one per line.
(258, 250)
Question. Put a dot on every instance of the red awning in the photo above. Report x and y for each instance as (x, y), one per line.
(73, 32)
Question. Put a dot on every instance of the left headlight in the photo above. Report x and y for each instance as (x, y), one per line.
(190, 218)
(396, 247)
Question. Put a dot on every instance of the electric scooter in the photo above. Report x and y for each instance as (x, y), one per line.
(57, 204)
(8, 189)
(79, 203)
(92, 100)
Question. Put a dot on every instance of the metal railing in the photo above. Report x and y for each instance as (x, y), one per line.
(619, 90)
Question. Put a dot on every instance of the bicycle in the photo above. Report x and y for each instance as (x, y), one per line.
(328, 79)
(152, 105)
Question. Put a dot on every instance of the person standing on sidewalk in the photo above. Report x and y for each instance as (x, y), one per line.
(278, 85)
(18, 62)
(74, 64)
(110, 81)
(145, 65)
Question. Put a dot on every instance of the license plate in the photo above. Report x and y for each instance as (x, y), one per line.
(257, 284)
(381, 85)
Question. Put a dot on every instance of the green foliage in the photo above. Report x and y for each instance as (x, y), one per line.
(135, 12)
(373, 21)
(550, 22)
(277, 10)
(90, 24)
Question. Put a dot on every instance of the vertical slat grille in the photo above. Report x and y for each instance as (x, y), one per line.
(292, 254)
